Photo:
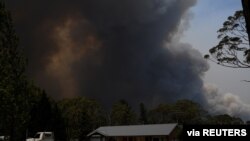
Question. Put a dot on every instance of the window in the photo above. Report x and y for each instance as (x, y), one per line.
(37, 135)
(48, 135)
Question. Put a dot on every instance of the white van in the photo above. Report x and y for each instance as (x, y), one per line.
(42, 136)
(4, 138)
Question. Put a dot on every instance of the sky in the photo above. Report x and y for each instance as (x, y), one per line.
(202, 35)
(148, 51)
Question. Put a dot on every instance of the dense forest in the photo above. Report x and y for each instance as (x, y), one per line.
(26, 108)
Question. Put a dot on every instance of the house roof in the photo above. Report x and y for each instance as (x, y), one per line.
(135, 130)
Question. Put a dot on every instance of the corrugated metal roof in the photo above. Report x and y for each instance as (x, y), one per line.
(136, 130)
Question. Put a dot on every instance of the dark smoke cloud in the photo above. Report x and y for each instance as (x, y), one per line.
(110, 49)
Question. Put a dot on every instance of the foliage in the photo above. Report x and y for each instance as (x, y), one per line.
(224, 120)
(41, 115)
(188, 112)
(81, 116)
(143, 114)
(183, 111)
(122, 114)
(57, 123)
(233, 50)
(161, 114)
(14, 86)
(21, 101)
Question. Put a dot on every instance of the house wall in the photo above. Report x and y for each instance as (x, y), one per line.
(97, 138)
(138, 138)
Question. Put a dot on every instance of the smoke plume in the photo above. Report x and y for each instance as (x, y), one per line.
(220, 103)
(110, 49)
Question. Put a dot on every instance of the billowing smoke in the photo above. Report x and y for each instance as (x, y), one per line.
(220, 103)
(110, 49)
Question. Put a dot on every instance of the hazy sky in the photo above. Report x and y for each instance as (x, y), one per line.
(208, 16)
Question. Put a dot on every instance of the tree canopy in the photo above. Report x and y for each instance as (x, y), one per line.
(13, 83)
(81, 115)
(122, 114)
(233, 49)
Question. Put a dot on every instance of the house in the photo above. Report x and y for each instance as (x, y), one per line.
(153, 132)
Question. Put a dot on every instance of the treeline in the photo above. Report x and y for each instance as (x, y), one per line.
(75, 118)
(26, 109)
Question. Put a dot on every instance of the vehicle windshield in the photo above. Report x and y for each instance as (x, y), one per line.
(48, 135)
(37, 135)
